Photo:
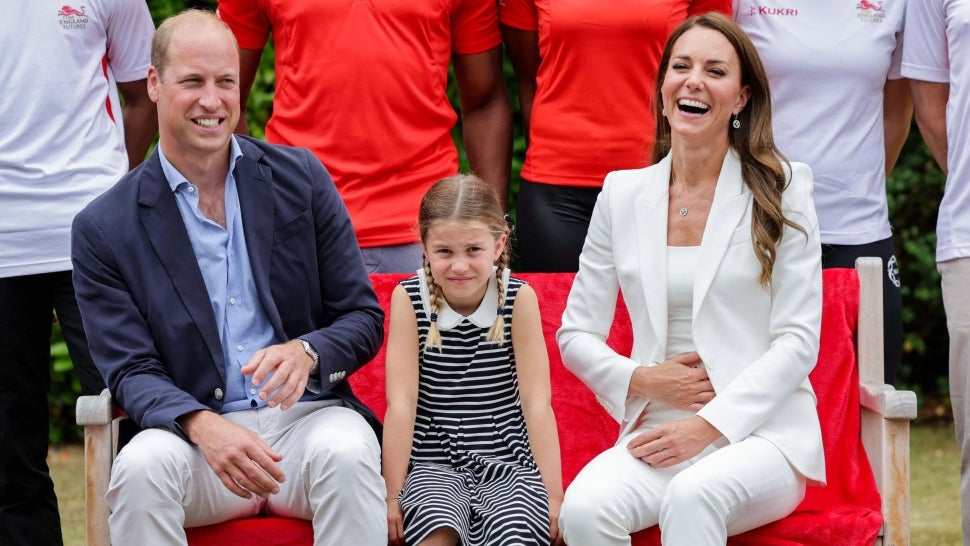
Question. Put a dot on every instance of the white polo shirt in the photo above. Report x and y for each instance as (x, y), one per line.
(827, 63)
(938, 50)
(61, 137)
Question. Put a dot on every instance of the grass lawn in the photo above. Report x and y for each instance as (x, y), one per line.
(935, 486)
(935, 502)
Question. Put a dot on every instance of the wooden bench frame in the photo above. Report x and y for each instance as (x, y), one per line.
(886, 414)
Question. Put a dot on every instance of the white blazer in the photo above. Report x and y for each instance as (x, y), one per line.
(758, 345)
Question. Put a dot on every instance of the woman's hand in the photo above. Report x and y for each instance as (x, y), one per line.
(673, 443)
(555, 535)
(395, 523)
(680, 382)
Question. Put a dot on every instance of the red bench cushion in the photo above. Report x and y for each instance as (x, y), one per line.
(845, 512)
(264, 531)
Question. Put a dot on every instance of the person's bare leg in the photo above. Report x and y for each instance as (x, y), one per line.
(442, 536)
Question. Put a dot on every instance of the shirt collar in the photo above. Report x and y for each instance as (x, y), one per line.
(175, 178)
(483, 317)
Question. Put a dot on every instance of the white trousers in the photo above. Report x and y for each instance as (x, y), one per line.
(331, 458)
(956, 303)
(699, 502)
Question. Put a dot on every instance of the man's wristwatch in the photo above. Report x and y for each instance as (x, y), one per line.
(315, 369)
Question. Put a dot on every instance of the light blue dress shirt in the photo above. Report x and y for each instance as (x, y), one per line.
(221, 253)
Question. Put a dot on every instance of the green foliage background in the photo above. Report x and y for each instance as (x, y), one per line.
(914, 188)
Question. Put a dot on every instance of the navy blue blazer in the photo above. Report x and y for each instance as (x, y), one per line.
(145, 307)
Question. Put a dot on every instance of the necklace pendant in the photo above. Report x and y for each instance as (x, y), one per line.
(683, 211)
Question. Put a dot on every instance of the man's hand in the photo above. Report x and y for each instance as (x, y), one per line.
(241, 459)
(290, 366)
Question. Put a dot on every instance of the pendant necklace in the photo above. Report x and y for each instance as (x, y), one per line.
(683, 210)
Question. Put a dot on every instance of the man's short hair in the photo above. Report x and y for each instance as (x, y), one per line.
(163, 35)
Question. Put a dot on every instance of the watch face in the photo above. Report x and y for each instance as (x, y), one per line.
(310, 351)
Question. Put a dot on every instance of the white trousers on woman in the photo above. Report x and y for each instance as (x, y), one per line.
(160, 483)
(699, 502)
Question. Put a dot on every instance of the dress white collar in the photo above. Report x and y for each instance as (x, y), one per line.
(483, 317)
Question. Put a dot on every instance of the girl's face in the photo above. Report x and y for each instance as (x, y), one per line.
(702, 86)
(461, 254)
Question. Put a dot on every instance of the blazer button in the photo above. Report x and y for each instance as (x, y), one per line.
(710, 364)
(218, 393)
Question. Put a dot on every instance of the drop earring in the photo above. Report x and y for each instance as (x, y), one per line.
(736, 123)
(663, 112)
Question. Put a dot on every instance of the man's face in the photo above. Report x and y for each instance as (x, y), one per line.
(198, 92)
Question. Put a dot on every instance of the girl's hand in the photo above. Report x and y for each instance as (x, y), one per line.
(555, 535)
(395, 523)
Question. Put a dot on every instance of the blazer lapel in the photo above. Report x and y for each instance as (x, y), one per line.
(651, 223)
(254, 184)
(731, 198)
(162, 222)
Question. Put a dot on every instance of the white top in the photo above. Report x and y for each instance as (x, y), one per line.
(681, 267)
(827, 62)
(61, 137)
(938, 50)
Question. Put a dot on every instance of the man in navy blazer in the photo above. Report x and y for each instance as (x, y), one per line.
(226, 302)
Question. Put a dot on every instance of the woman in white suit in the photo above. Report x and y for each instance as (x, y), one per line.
(715, 249)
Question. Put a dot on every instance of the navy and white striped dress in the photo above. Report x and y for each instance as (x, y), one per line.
(471, 466)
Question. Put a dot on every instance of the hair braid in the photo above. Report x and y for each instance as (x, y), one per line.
(497, 331)
(435, 297)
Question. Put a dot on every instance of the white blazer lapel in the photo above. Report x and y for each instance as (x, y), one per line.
(731, 198)
(651, 225)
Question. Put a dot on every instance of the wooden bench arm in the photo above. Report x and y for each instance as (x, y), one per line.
(95, 415)
(887, 402)
(94, 410)
(886, 415)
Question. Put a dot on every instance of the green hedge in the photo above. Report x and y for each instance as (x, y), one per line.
(915, 189)
(914, 192)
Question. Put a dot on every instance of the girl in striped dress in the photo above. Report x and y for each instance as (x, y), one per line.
(471, 452)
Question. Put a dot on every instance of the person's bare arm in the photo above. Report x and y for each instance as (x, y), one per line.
(930, 99)
(486, 117)
(248, 65)
(402, 371)
(523, 49)
(897, 116)
(139, 118)
(532, 369)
